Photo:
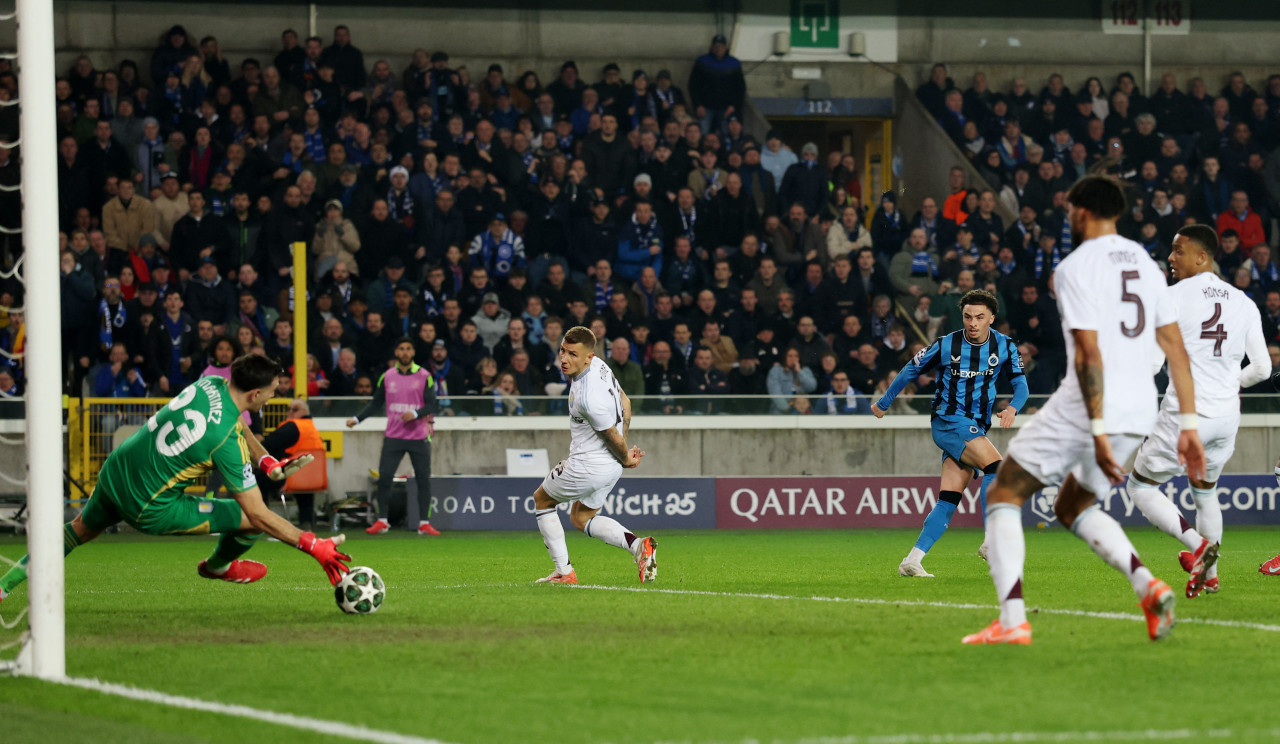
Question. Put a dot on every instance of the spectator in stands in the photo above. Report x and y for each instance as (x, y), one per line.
(198, 235)
(1229, 257)
(933, 92)
(1263, 273)
(630, 375)
(842, 398)
(724, 354)
(1242, 219)
(640, 243)
(126, 218)
(849, 235)
(806, 182)
(788, 382)
(888, 227)
(717, 87)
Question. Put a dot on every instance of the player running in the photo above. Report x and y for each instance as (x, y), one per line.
(1115, 311)
(599, 418)
(1219, 326)
(142, 482)
(408, 393)
(969, 362)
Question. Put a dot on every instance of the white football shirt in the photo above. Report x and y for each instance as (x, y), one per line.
(595, 404)
(1219, 325)
(1111, 285)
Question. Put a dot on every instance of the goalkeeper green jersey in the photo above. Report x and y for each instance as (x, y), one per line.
(197, 431)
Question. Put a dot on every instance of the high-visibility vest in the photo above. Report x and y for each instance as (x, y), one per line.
(308, 436)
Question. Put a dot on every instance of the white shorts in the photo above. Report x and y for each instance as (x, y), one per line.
(587, 481)
(1158, 455)
(1050, 449)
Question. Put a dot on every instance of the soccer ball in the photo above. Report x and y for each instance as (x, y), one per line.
(360, 592)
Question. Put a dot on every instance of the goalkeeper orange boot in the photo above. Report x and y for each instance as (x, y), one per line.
(379, 527)
(239, 572)
(425, 528)
(1271, 567)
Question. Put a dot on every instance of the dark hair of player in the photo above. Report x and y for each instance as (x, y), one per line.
(1101, 195)
(1203, 236)
(981, 297)
(580, 335)
(253, 372)
(404, 340)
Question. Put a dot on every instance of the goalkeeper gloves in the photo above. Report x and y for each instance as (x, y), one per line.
(326, 552)
(278, 470)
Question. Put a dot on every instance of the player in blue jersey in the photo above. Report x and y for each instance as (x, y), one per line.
(967, 363)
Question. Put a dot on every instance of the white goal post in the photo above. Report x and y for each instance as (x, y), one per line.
(39, 148)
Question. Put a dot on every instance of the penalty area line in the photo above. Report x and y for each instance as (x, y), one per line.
(317, 725)
(944, 605)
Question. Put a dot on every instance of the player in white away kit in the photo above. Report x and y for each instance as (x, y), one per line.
(1220, 326)
(1114, 311)
(599, 417)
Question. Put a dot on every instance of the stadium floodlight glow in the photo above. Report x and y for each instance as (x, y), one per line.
(47, 658)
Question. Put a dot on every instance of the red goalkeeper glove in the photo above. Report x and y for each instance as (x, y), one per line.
(326, 552)
(278, 470)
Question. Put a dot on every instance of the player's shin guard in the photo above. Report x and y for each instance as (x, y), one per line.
(607, 530)
(1208, 519)
(1104, 535)
(231, 545)
(1007, 553)
(1162, 512)
(988, 477)
(939, 517)
(553, 537)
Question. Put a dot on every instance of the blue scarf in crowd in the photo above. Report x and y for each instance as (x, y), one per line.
(110, 321)
(922, 264)
(1040, 262)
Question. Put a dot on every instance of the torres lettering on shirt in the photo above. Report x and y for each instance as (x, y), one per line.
(1110, 285)
(967, 375)
(401, 391)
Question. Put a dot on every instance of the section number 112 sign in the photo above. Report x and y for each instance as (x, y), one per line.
(1167, 17)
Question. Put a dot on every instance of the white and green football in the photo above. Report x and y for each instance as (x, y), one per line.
(360, 592)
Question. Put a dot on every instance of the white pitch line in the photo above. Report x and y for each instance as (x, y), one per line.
(944, 605)
(1018, 737)
(320, 726)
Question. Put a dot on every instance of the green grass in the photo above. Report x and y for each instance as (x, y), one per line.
(467, 650)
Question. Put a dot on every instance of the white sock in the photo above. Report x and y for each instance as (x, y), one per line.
(1105, 536)
(1007, 552)
(608, 531)
(217, 571)
(553, 537)
(1162, 512)
(915, 556)
(1209, 520)
(422, 522)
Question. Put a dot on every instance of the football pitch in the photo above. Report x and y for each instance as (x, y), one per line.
(746, 636)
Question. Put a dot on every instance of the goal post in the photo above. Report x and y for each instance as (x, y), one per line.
(39, 169)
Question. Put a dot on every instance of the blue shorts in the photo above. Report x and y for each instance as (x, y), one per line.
(952, 433)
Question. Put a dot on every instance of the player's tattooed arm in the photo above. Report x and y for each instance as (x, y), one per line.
(617, 446)
(626, 412)
(1089, 370)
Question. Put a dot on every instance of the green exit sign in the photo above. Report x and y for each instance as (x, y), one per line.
(815, 23)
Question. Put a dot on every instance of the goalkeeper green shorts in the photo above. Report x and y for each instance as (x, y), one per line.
(183, 515)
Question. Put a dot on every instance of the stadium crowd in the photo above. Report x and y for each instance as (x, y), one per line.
(482, 216)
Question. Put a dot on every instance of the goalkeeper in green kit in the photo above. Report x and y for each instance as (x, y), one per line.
(142, 482)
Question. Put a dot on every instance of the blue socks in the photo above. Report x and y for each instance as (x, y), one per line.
(936, 523)
(987, 480)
